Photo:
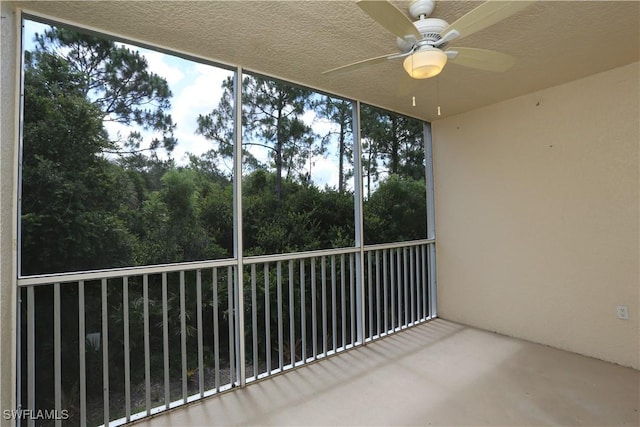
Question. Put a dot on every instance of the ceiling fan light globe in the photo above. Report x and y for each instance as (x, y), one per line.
(425, 63)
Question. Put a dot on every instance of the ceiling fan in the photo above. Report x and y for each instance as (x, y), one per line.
(424, 43)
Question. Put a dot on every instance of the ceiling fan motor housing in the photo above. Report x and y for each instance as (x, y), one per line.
(430, 28)
(421, 8)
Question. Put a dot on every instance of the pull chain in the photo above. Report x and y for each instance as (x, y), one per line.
(438, 95)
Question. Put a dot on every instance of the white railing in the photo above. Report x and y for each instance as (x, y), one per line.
(112, 346)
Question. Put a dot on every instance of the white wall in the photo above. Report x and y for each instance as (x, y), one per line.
(537, 216)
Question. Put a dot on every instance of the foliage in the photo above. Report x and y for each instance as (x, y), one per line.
(117, 81)
(392, 144)
(272, 117)
(396, 211)
(83, 208)
(306, 219)
(69, 191)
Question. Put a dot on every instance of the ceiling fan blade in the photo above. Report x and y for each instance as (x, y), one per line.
(481, 59)
(361, 64)
(390, 17)
(485, 15)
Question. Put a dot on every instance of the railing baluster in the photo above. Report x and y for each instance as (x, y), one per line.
(303, 314)
(370, 293)
(425, 283)
(231, 317)
(216, 330)
(82, 353)
(352, 299)
(200, 337)
(183, 337)
(400, 282)
(105, 353)
(385, 290)
(254, 321)
(399, 285)
(279, 300)
(267, 317)
(418, 285)
(292, 318)
(314, 317)
(57, 362)
(31, 353)
(433, 295)
(343, 302)
(378, 308)
(334, 323)
(147, 350)
(392, 291)
(127, 361)
(165, 341)
(323, 273)
(412, 284)
(406, 286)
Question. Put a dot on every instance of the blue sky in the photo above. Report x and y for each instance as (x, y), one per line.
(196, 89)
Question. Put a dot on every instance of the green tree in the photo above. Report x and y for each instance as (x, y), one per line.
(118, 82)
(80, 210)
(340, 112)
(396, 211)
(71, 196)
(272, 115)
(392, 144)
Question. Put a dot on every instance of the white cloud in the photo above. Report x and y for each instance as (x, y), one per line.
(324, 172)
(158, 64)
(200, 96)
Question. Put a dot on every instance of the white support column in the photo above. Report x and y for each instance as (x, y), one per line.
(237, 228)
(431, 220)
(10, 76)
(359, 237)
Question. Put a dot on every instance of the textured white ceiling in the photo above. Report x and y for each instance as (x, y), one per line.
(553, 41)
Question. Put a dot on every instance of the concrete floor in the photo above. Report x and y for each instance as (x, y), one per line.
(438, 373)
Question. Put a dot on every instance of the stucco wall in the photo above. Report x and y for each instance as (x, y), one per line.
(8, 127)
(537, 216)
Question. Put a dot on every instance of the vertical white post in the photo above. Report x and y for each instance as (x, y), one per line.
(200, 332)
(431, 221)
(292, 318)
(352, 300)
(57, 345)
(378, 310)
(11, 127)
(82, 354)
(216, 330)
(105, 352)
(267, 318)
(183, 336)
(359, 237)
(165, 341)
(31, 353)
(254, 320)
(147, 348)
(127, 355)
(343, 302)
(279, 304)
(334, 321)
(303, 314)
(385, 285)
(237, 227)
(314, 318)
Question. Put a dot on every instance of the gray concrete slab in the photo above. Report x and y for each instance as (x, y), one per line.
(438, 373)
